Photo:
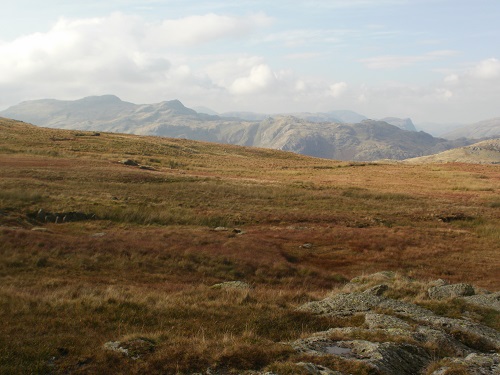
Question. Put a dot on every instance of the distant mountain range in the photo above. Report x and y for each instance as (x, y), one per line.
(342, 135)
(479, 130)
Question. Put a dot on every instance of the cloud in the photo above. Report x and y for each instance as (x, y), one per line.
(120, 54)
(480, 74)
(195, 30)
(335, 4)
(303, 56)
(487, 69)
(394, 61)
(337, 89)
(443, 94)
(463, 95)
(300, 37)
(260, 78)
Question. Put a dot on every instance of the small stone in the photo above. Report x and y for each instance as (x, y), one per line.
(39, 229)
(377, 290)
(115, 346)
(232, 285)
(221, 229)
(134, 348)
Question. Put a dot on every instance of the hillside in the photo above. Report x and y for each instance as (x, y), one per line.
(483, 129)
(485, 152)
(308, 134)
(147, 255)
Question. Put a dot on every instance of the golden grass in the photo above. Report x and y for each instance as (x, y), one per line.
(144, 267)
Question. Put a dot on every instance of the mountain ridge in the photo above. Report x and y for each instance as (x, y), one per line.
(483, 129)
(366, 140)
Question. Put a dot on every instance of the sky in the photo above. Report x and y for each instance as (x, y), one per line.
(430, 60)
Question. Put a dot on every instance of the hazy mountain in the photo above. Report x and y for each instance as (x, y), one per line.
(402, 123)
(246, 116)
(338, 116)
(366, 140)
(437, 129)
(485, 152)
(205, 110)
(106, 113)
(483, 129)
(348, 117)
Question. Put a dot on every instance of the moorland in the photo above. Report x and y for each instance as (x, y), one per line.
(108, 237)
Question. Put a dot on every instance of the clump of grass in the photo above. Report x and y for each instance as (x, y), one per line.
(494, 204)
(287, 368)
(335, 363)
(362, 193)
(451, 368)
(19, 197)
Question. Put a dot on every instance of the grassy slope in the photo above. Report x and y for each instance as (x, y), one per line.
(145, 266)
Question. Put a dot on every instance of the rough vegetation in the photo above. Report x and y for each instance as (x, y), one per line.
(218, 259)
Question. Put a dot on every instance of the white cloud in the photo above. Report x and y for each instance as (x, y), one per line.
(487, 69)
(443, 94)
(337, 89)
(194, 30)
(303, 56)
(119, 54)
(464, 96)
(452, 79)
(482, 74)
(301, 37)
(260, 78)
(354, 3)
(394, 61)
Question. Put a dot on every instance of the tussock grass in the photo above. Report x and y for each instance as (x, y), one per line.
(19, 198)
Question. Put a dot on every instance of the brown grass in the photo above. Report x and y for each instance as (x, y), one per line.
(144, 267)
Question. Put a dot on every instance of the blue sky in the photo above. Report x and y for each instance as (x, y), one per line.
(431, 60)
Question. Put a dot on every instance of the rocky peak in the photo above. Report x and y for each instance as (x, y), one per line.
(402, 123)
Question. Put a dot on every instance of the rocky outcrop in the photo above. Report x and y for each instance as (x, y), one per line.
(399, 337)
(450, 291)
(489, 300)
